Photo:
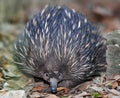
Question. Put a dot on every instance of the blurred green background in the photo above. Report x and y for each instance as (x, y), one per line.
(16, 11)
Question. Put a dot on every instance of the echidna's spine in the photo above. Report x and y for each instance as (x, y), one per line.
(63, 34)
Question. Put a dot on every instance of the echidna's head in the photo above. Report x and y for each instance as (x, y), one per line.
(54, 72)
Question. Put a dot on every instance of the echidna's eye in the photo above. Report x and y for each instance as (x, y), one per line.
(46, 75)
(60, 75)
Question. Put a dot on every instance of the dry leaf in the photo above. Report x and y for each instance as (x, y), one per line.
(38, 88)
(114, 91)
(98, 89)
(51, 96)
(42, 95)
(116, 77)
(108, 95)
(62, 89)
(114, 85)
(85, 86)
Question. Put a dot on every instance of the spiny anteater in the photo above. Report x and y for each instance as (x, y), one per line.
(62, 47)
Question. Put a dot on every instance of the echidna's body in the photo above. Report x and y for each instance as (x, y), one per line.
(60, 46)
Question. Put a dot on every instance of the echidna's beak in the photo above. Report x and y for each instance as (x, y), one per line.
(53, 84)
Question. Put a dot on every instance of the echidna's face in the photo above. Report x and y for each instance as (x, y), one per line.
(53, 74)
(53, 78)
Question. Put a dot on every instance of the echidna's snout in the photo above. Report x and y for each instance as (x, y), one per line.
(53, 84)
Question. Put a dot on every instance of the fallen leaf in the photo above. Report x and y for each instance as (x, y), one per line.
(38, 88)
(116, 77)
(114, 91)
(51, 96)
(42, 95)
(81, 95)
(98, 89)
(81, 87)
(114, 85)
(35, 95)
(108, 95)
(62, 89)
(85, 86)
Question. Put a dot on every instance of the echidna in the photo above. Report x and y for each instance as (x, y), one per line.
(62, 47)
